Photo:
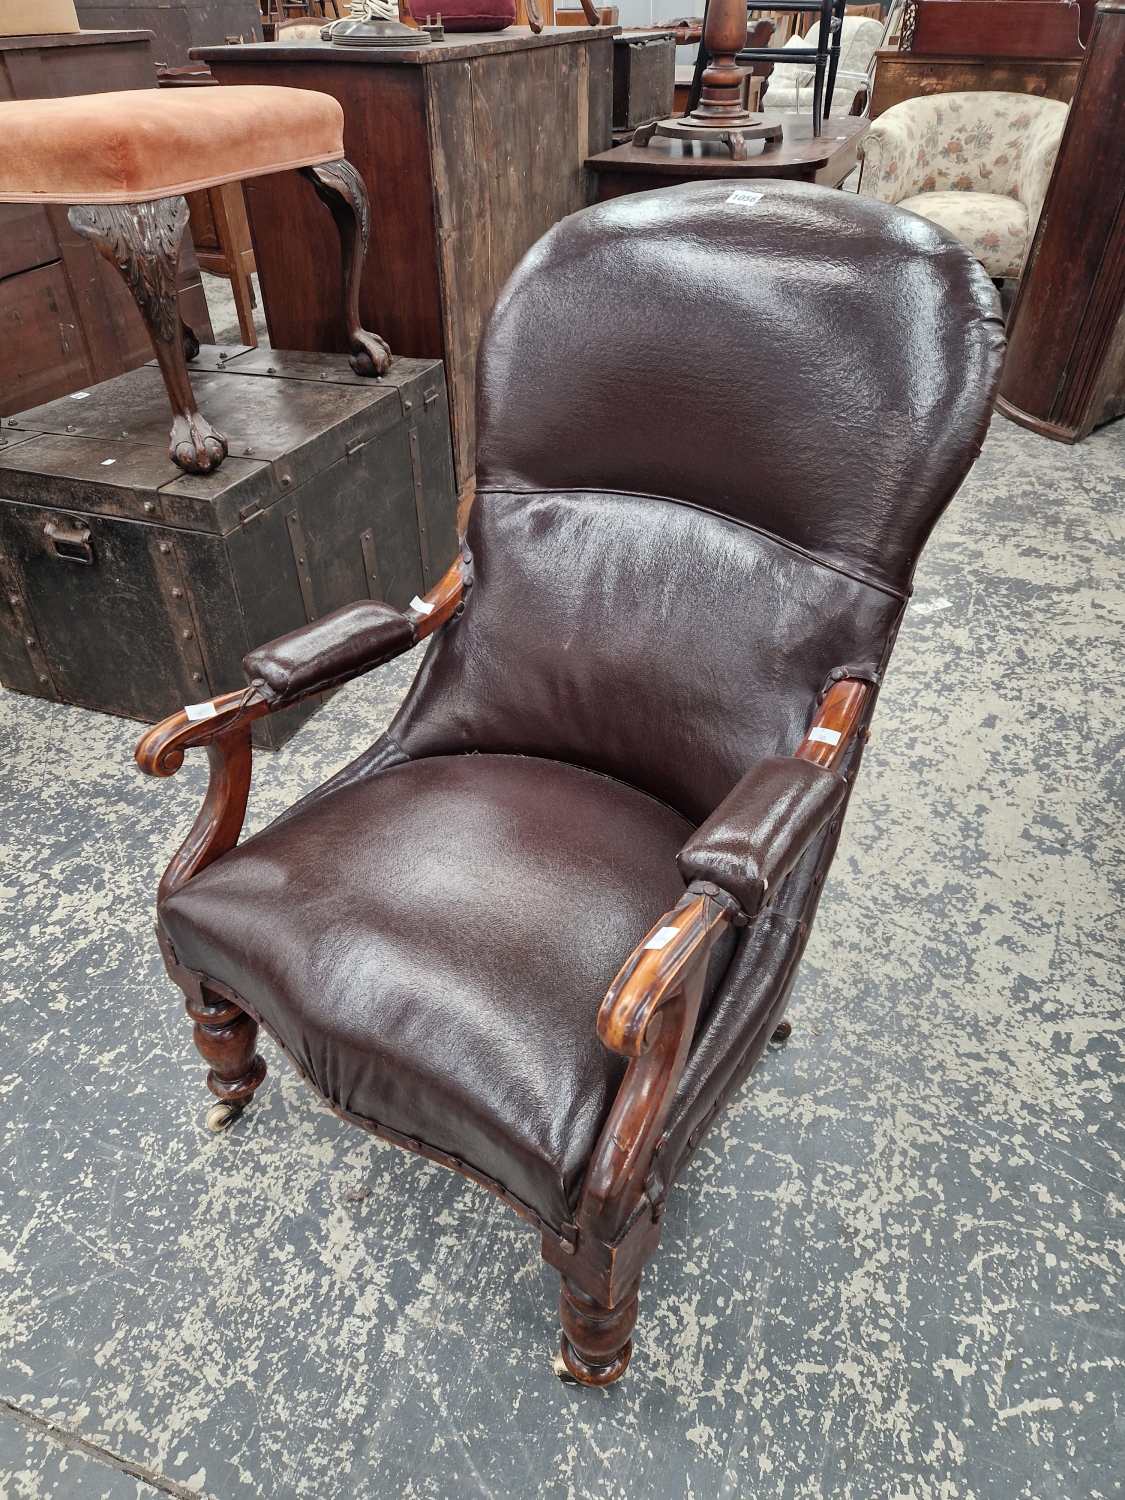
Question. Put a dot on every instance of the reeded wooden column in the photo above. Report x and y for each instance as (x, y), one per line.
(1065, 370)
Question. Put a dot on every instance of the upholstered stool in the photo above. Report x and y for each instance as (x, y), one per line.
(123, 162)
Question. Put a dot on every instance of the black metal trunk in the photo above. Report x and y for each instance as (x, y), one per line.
(131, 587)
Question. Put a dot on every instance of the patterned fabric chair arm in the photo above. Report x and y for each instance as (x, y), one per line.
(886, 152)
(1033, 172)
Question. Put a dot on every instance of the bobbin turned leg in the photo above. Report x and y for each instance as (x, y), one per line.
(227, 1039)
(143, 241)
(341, 188)
(597, 1340)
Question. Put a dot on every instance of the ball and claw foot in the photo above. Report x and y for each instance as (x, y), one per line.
(372, 357)
(782, 1031)
(222, 1115)
(195, 445)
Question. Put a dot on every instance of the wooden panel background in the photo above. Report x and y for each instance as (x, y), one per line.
(295, 241)
(900, 76)
(511, 133)
(468, 159)
(1065, 368)
(176, 25)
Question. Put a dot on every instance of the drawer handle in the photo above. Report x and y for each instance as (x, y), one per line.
(70, 546)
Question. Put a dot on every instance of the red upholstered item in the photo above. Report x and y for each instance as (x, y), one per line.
(466, 15)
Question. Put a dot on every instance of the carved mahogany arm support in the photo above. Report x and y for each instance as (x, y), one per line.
(309, 661)
(738, 860)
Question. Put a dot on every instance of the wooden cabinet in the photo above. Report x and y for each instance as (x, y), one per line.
(471, 149)
(176, 25)
(1064, 373)
(67, 319)
(903, 75)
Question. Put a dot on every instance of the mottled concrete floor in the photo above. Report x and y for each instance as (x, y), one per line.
(894, 1271)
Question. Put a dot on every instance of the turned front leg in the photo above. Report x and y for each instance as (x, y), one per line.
(341, 188)
(227, 1041)
(597, 1340)
(143, 241)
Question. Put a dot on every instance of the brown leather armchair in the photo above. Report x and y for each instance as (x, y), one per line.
(713, 437)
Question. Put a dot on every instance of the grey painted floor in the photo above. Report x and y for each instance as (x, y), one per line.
(894, 1271)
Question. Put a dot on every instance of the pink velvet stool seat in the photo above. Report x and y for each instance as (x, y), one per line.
(123, 161)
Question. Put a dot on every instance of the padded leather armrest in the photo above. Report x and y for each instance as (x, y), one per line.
(760, 830)
(328, 652)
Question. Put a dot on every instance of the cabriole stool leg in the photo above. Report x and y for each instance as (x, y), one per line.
(596, 1341)
(227, 1040)
(341, 188)
(143, 241)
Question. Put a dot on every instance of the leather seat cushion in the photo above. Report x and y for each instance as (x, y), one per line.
(140, 144)
(431, 946)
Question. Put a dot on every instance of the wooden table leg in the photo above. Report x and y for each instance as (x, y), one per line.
(143, 241)
(232, 230)
(340, 187)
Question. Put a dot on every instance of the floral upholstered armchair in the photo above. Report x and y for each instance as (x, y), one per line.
(977, 164)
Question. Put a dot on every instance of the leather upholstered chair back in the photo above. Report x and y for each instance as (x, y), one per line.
(671, 557)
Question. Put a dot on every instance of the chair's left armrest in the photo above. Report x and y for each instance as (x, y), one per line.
(320, 656)
(312, 660)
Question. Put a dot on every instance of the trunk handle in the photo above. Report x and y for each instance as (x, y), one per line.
(70, 546)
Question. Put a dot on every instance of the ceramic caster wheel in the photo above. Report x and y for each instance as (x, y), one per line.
(782, 1031)
(562, 1372)
(222, 1115)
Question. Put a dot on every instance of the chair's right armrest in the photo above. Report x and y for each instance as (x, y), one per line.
(320, 656)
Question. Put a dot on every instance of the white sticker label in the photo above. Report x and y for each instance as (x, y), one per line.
(107, 461)
(421, 606)
(197, 711)
(820, 736)
(740, 195)
(661, 938)
(79, 395)
(931, 606)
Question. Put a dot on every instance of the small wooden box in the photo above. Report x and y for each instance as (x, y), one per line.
(131, 587)
(644, 78)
